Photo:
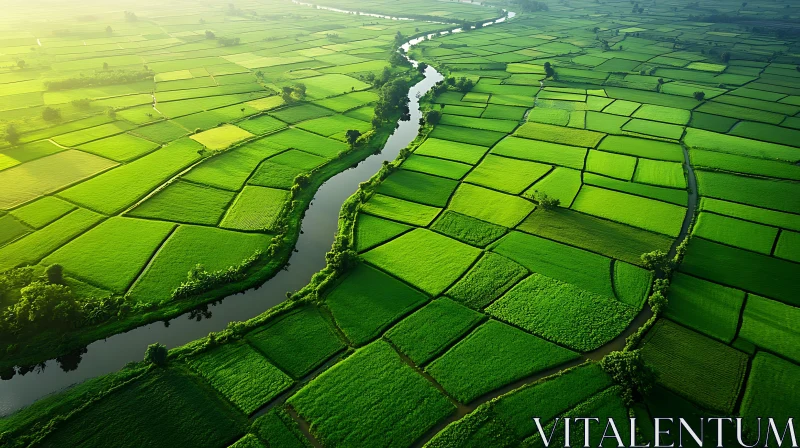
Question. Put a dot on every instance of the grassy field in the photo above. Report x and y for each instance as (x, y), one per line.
(491, 356)
(400, 406)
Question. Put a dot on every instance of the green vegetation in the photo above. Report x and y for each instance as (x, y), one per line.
(237, 371)
(363, 315)
(761, 397)
(491, 356)
(710, 374)
(768, 324)
(469, 230)
(400, 406)
(424, 334)
(562, 313)
(704, 306)
(298, 342)
(487, 280)
(415, 255)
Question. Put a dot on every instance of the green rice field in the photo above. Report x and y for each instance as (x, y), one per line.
(597, 215)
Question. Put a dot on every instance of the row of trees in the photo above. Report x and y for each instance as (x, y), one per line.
(104, 78)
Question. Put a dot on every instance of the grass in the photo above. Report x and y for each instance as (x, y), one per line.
(11, 229)
(117, 189)
(466, 229)
(661, 173)
(11, 157)
(255, 208)
(773, 194)
(371, 231)
(712, 141)
(424, 334)
(558, 134)
(540, 151)
(705, 306)
(75, 138)
(325, 86)
(563, 313)
(188, 246)
(186, 202)
(734, 232)
(583, 269)
(221, 137)
(632, 210)
(400, 210)
(763, 275)
(597, 235)
(231, 169)
(664, 114)
(263, 124)
(24, 183)
(308, 142)
(654, 128)
(445, 149)
(466, 135)
(670, 195)
(414, 255)
(298, 342)
(548, 398)
(503, 112)
(349, 101)
(399, 407)
(762, 397)
(37, 245)
(86, 257)
(610, 164)
(248, 441)
(277, 428)
(122, 147)
(632, 284)
(161, 132)
(334, 124)
(769, 324)
(788, 246)
(437, 167)
(742, 164)
(750, 213)
(640, 147)
(509, 175)
(490, 278)
(275, 175)
(492, 356)
(504, 126)
(710, 374)
(605, 405)
(303, 112)
(126, 418)
(490, 206)
(418, 187)
(241, 375)
(561, 183)
(363, 315)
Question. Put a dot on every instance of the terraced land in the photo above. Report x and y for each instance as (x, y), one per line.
(476, 281)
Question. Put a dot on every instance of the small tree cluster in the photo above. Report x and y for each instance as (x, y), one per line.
(228, 41)
(629, 370)
(461, 84)
(699, 95)
(432, 117)
(130, 16)
(546, 202)
(12, 135)
(156, 354)
(549, 71)
(352, 136)
(656, 260)
(51, 114)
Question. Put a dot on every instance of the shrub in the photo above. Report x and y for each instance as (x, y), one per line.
(51, 114)
(156, 354)
(545, 201)
(656, 260)
(629, 371)
(55, 274)
(432, 117)
(699, 95)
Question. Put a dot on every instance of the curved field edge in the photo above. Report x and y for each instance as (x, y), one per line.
(49, 345)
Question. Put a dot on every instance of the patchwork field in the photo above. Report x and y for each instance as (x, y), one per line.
(478, 280)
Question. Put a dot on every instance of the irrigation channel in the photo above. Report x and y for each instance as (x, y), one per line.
(317, 233)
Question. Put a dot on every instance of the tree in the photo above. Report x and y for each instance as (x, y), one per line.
(111, 112)
(130, 16)
(352, 137)
(745, 4)
(156, 354)
(228, 41)
(657, 302)
(105, 65)
(656, 260)
(109, 31)
(398, 60)
(12, 135)
(546, 202)
(300, 90)
(699, 95)
(55, 274)
(629, 370)
(44, 305)
(286, 94)
(399, 39)
(725, 56)
(210, 34)
(432, 117)
(51, 114)
(83, 103)
(21, 64)
(548, 70)
(421, 67)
